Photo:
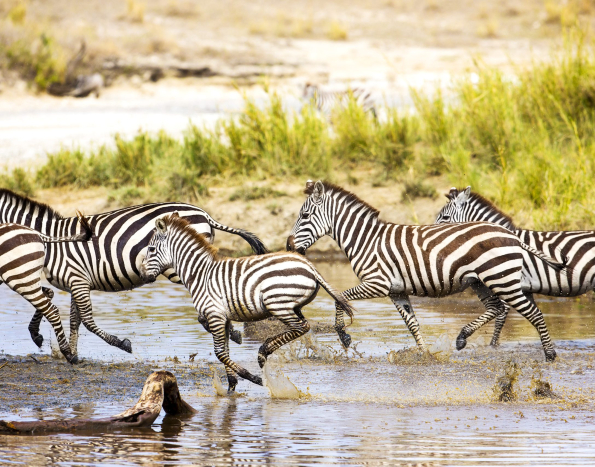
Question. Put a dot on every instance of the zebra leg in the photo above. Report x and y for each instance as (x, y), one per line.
(362, 291)
(500, 320)
(235, 336)
(47, 309)
(525, 305)
(218, 327)
(75, 324)
(401, 301)
(34, 328)
(298, 326)
(494, 307)
(81, 294)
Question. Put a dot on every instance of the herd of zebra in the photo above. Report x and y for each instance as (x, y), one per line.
(472, 244)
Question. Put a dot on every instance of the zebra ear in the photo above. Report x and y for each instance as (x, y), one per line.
(318, 192)
(452, 194)
(160, 224)
(309, 184)
(463, 196)
(174, 214)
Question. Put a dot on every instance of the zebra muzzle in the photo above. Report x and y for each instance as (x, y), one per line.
(290, 246)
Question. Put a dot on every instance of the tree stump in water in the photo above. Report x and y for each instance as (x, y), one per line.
(160, 391)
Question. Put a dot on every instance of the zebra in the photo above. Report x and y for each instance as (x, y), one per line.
(22, 257)
(575, 248)
(402, 260)
(111, 261)
(326, 101)
(238, 289)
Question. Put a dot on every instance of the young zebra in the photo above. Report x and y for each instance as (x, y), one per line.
(111, 261)
(22, 256)
(326, 101)
(576, 248)
(238, 289)
(401, 260)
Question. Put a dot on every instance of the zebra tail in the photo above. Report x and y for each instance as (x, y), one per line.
(557, 265)
(254, 242)
(337, 297)
(82, 237)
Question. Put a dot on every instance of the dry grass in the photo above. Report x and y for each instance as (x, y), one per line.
(135, 12)
(336, 31)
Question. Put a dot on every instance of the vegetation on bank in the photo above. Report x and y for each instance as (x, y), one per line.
(527, 142)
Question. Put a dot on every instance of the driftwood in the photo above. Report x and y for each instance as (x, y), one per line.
(160, 391)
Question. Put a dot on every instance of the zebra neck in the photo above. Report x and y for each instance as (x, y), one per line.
(190, 262)
(483, 211)
(23, 211)
(351, 233)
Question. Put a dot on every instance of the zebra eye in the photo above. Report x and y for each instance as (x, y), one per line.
(152, 249)
(305, 215)
(446, 218)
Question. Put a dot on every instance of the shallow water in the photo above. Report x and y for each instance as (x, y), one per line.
(359, 409)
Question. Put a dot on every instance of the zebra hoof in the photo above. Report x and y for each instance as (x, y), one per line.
(495, 344)
(233, 382)
(550, 355)
(261, 360)
(345, 339)
(461, 343)
(38, 339)
(73, 360)
(257, 380)
(236, 336)
(126, 345)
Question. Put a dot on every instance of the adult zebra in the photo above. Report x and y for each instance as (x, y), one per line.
(111, 261)
(401, 260)
(239, 289)
(576, 248)
(326, 101)
(22, 256)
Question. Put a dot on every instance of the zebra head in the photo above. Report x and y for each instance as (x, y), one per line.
(313, 221)
(158, 257)
(454, 210)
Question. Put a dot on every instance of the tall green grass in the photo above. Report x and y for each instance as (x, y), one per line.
(526, 141)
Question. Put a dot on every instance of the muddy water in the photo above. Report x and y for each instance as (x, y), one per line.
(357, 407)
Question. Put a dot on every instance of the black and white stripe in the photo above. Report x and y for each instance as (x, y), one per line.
(112, 260)
(22, 258)
(236, 289)
(327, 101)
(401, 260)
(576, 248)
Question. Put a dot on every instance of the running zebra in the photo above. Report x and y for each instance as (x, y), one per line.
(110, 262)
(22, 256)
(576, 248)
(238, 289)
(401, 260)
(326, 101)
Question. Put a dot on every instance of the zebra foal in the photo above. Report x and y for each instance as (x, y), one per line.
(401, 260)
(22, 257)
(575, 248)
(238, 289)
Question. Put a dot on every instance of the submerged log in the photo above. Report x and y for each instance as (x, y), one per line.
(160, 391)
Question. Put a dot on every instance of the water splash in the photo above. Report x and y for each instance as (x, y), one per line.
(504, 389)
(443, 345)
(279, 385)
(219, 389)
(411, 356)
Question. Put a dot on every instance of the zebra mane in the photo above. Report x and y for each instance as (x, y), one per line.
(347, 195)
(182, 225)
(43, 208)
(476, 197)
